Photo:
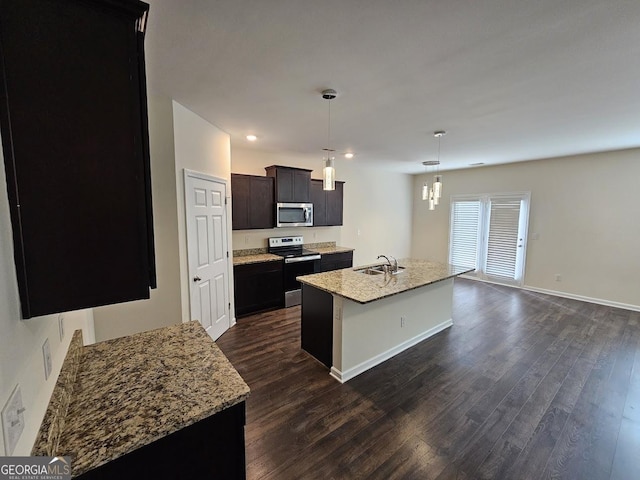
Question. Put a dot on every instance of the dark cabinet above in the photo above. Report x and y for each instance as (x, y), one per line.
(75, 140)
(327, 204)
(292, 184)
(252, 202)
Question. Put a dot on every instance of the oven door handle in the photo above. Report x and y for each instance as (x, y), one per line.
(308, 258)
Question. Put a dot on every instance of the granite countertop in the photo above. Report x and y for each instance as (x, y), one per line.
(255, 258)
(362, 288)
(131, 391)
(258, 255)
(330, 249)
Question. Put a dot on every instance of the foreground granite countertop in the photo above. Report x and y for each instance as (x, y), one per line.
(131, 391)
(354, 285)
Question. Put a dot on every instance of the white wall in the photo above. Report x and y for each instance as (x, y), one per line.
(377, 206)
(202, 147)
(21, 360)
(584, 208)
(163, 307)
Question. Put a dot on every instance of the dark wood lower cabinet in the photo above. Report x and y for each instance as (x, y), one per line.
(211, 448)
(316, 327)
(334, 261)
(258, 287)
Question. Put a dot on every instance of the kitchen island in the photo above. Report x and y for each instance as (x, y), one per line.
(354, 319)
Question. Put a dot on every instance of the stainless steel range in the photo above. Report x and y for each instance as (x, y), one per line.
(297, 261)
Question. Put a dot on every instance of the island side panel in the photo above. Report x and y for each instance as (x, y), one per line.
(316, 328)
(373, 332)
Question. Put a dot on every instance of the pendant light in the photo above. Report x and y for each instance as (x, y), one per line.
(426, 191)
(437, 179)
(329, 171)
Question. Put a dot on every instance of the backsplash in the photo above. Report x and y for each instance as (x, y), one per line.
(258, 239)
(259, 251)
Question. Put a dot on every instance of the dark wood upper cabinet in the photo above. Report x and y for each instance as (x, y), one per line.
(327, 204)
(76, 152)
(252, 202)
(292, 184)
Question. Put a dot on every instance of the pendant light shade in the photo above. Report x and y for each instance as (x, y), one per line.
(437, 186)
(329, 175)
(329, 171)
(425, 191)
(432, 201)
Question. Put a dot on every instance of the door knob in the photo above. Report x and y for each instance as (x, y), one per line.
(196, 279)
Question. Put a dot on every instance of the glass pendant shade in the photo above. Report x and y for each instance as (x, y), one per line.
(425, 191)
(432, 202)
(329, 175)
(437, 186)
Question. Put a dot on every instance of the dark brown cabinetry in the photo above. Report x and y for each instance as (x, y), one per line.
(334, 261)
(316, 324)
(75, 140)
(327, 204)
(210, 448)
(292, 184)
(252, 202)
(258, 287)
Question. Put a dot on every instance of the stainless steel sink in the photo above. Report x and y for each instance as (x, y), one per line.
(379, 269)
(371, 271)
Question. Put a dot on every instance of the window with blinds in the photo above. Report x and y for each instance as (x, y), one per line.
(465, 229)
(488, 233)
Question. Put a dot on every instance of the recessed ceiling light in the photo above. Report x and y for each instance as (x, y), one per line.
(252, 138)
(348, 155)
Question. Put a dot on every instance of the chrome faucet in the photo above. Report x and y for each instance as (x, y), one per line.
(394, 267)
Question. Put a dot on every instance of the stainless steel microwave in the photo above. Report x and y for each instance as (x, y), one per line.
(294, 215)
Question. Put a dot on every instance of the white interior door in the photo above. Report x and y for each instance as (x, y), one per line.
(207, 252)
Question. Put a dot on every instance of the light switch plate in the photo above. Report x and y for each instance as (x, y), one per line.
(12, 420)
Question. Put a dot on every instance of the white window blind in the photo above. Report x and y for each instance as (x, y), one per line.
(502, 243)
(465, 225)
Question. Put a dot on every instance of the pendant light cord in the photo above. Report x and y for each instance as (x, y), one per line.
(329, 134)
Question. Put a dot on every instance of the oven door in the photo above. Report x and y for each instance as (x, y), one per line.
(296, 267)
(294, 215)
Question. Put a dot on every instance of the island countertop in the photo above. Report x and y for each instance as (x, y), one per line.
(354, 285)
(131, 391)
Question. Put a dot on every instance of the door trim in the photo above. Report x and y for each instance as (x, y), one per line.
(187, 173)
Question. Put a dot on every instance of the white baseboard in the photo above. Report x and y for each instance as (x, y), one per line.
(381, 357)
(582, 298)
(556, 293)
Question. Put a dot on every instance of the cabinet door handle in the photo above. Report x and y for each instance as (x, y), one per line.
(196, 279)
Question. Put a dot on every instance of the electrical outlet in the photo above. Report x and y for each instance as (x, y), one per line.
(246, 239)
(46, 355)
(402, 321)
(61, 326)
(558, 277)
(12, 420)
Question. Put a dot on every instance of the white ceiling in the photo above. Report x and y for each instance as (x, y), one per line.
(510, 80)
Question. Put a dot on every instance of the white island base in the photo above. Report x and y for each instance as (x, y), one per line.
(365, 335)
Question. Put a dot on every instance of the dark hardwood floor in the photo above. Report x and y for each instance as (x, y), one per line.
(523, 386)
